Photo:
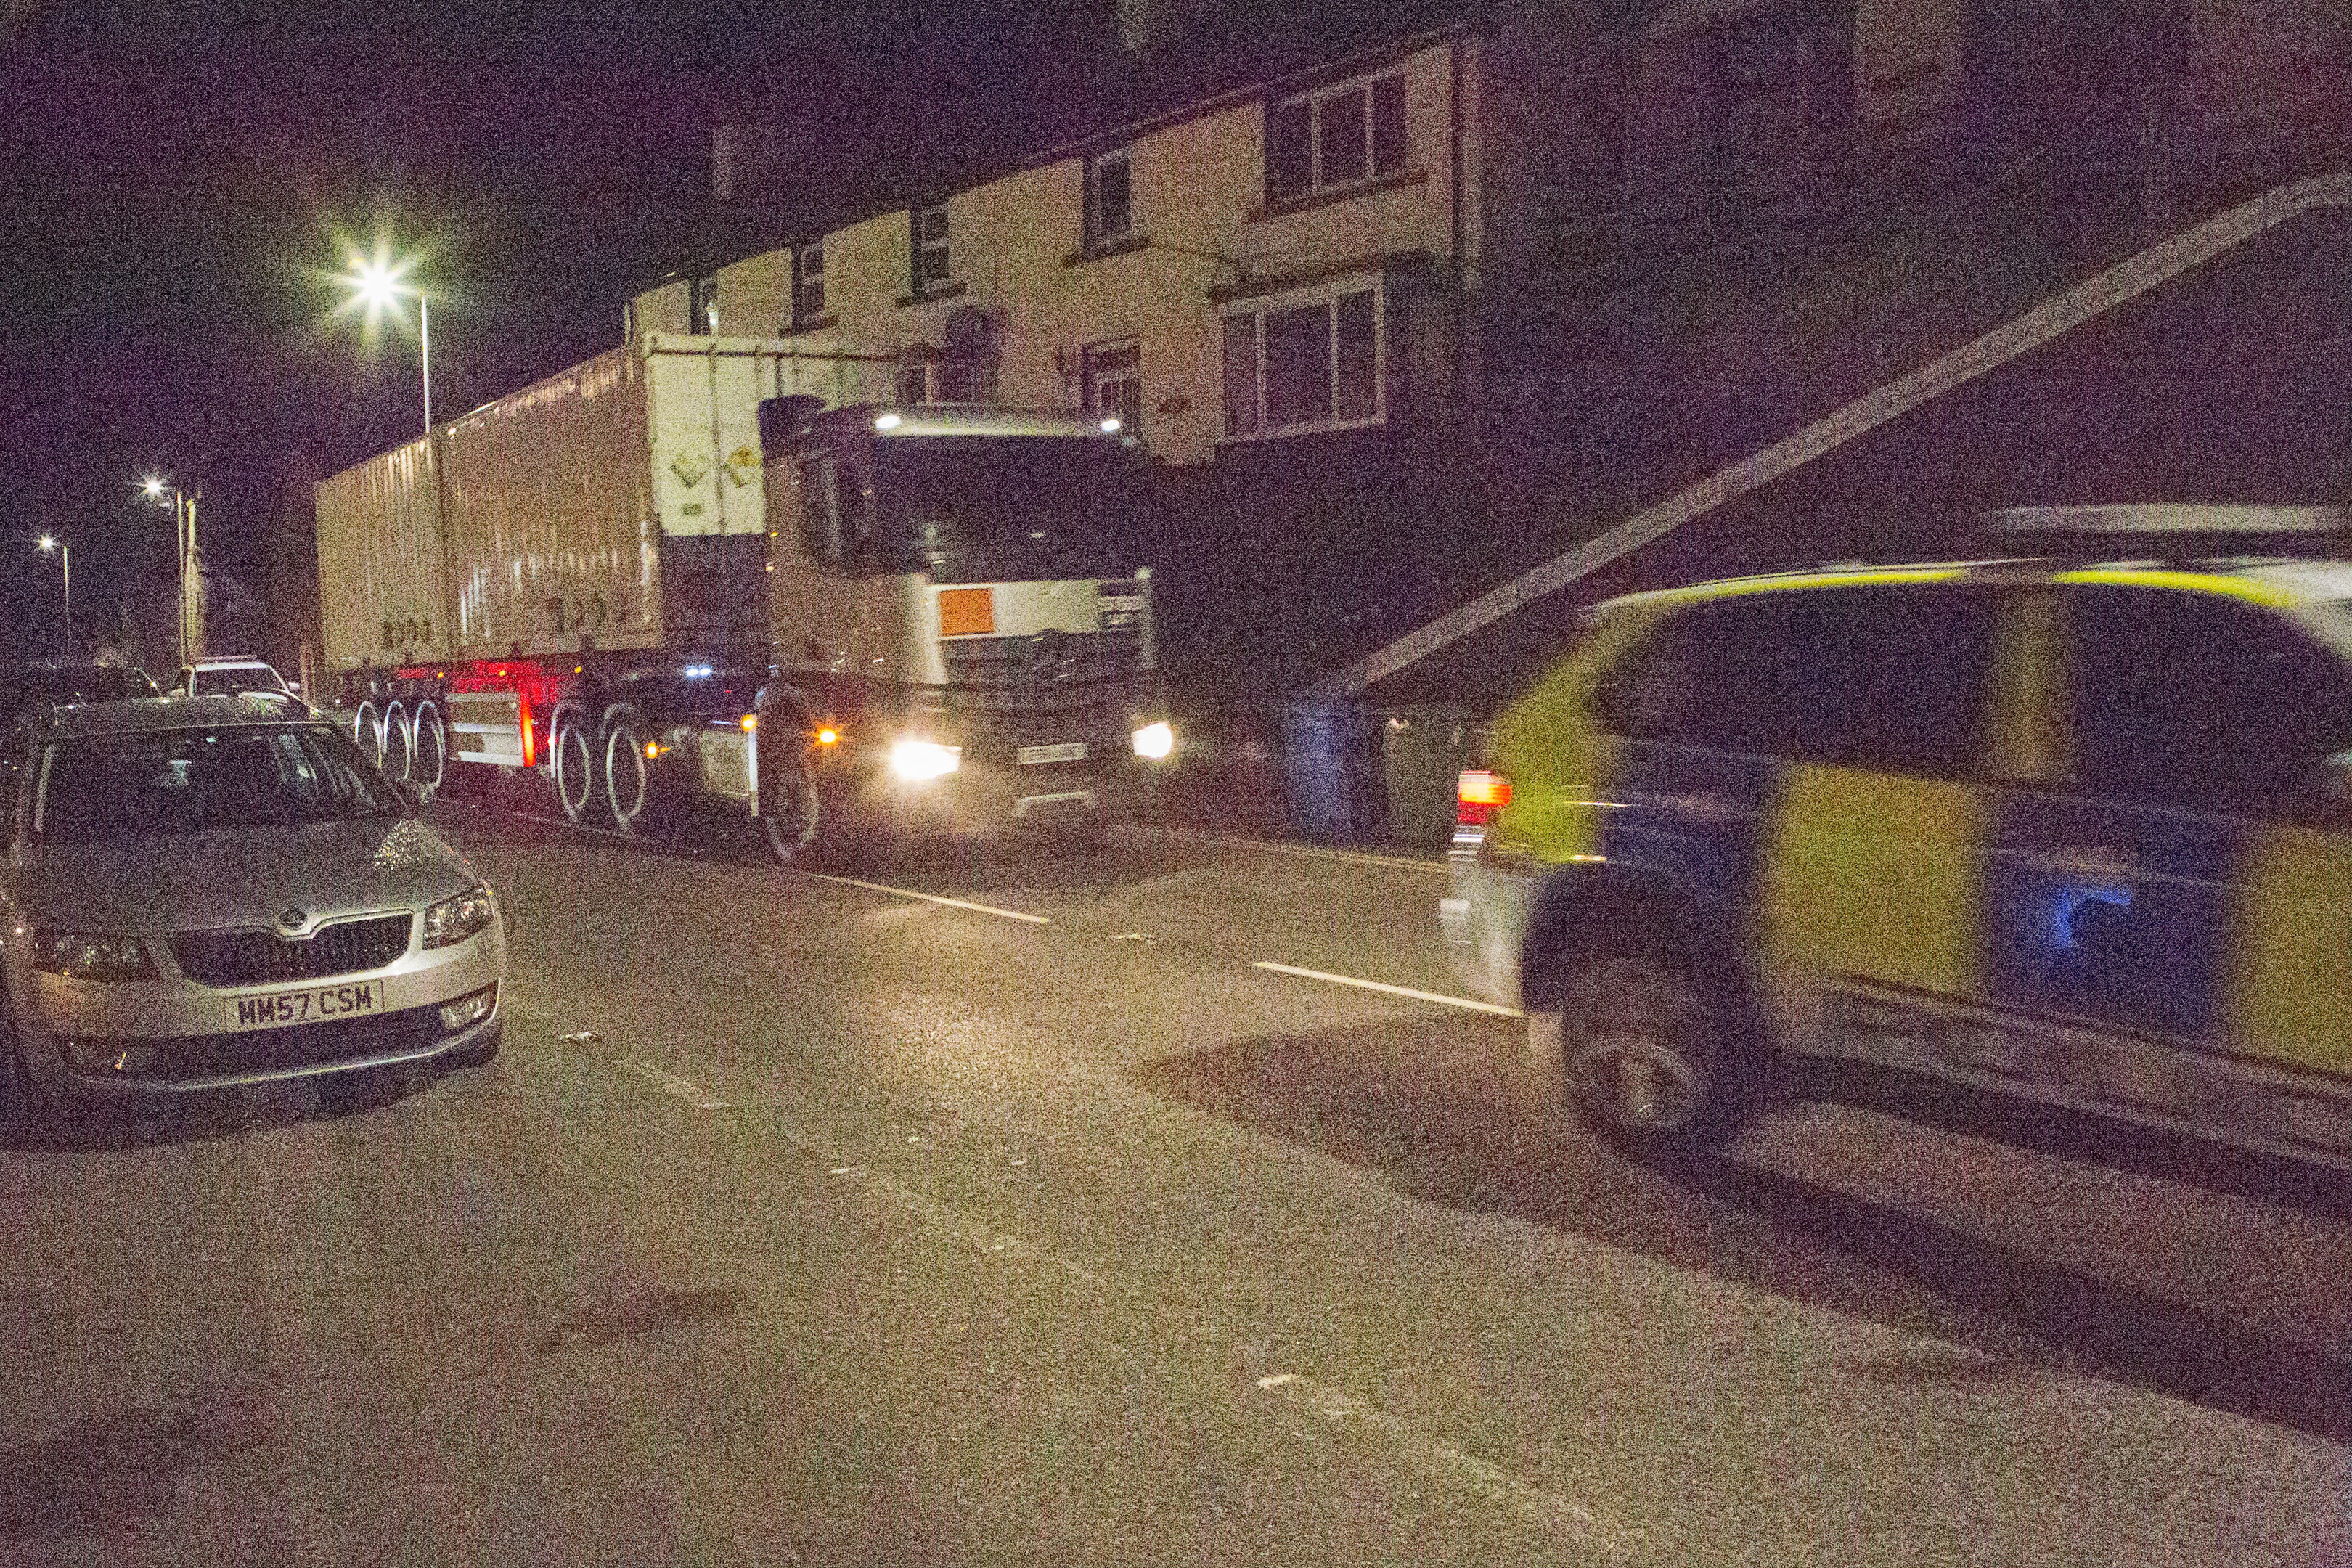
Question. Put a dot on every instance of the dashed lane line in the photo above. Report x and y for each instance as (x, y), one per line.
(1276, 847)
(1466, 1004)
(1570, 1522)
(933, 899)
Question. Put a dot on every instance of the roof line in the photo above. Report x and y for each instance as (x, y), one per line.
(1348, 64)
(2062, 313)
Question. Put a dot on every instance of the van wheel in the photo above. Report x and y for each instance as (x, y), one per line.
(575, 772)
(399, 744)
(1649, 1051)
(628, 775)
(429, 758)
(793, 808)
(367, 732)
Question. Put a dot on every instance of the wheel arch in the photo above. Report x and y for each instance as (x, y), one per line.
(1605, 906)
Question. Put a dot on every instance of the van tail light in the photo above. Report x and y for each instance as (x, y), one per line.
(1481, 793)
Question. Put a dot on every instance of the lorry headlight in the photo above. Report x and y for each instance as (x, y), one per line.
(452, 920)
(924, 759)
(1154, 741)
(82, 956)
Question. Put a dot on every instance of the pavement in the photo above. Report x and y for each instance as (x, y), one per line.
(1151, 1202)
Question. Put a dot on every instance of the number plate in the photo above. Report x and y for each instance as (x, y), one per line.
(1069, 751)
(317, 1004)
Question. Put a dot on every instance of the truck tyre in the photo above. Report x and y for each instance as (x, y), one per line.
(628, 774)
(430, 759)
(367, 732)
(399, 743)
(1654, 1051)
(803, 813)
(575, 769)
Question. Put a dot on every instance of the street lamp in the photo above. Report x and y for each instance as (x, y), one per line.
(379, 288)
(65, 554)
(162, 492)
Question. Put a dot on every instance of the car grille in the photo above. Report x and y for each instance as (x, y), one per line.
(258, 957)
(1047, 671)
(295, 1045)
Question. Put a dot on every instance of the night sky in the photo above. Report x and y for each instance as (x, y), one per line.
(184, 182)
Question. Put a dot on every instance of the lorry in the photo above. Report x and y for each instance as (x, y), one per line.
(708, 579)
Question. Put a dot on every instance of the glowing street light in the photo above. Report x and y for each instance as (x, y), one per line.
(163, 492)
(379, 287)
(65, 554)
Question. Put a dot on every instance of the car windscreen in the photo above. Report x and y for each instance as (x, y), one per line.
(97, 788)
(936, 493)
(229, 682)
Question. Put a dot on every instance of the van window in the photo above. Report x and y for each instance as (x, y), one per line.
(2200, 702)
(1891, 677)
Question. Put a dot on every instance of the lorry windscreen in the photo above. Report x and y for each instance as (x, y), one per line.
(1053, 496)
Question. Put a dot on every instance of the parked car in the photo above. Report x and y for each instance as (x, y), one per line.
(213, 892)
(228, 677)
(2074, 832)
(29, 693)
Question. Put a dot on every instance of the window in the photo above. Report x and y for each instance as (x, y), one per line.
(1891, 677)
(930, 248)
(166, 782)
(1109, 214)
(1304, 365)
(1114, 383)
(1332, 140)
(2199, 702)
(702, 305)
(808, 281)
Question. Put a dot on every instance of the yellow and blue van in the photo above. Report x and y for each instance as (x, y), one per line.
(2075, 831)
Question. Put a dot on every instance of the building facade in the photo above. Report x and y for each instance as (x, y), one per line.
(1379, 316)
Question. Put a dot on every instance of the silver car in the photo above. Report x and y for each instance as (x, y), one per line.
(210, 891)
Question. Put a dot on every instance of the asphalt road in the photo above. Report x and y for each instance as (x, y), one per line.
(809, 1221)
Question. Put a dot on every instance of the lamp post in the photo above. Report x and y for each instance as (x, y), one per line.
(65, 556)
(378, 286)
(162, 492)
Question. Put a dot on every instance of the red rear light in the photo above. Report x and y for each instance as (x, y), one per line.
(1481, 793)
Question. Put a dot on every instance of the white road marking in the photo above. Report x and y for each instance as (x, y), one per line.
(1567, 1521)
(1275, 846)
(669, 1083)
(1187, 1323)
(932, 898)
(1550, 1510)
(1387, 990)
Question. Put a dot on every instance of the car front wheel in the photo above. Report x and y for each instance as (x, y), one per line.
(1650, 1052)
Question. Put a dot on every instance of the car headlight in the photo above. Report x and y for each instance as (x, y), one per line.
(454, 920)
(84, 956)
(1154, 741)
(924, 759)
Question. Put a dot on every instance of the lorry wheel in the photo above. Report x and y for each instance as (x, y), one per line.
(1649, 1050)
(575, 772)
(430, 759)
(628, 776)
(399, 744)
(367, 731)
(795, 810)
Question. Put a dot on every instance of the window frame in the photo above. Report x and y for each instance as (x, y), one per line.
(1093, 377)
(1328, 294)
(1092, 234)
(805, 278)
(1366, 90)
(918, 246)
